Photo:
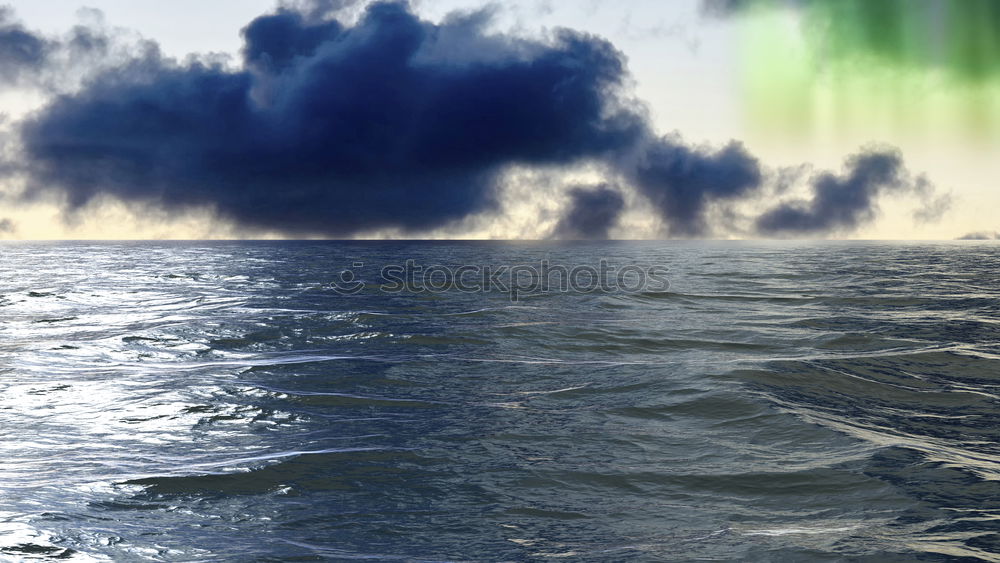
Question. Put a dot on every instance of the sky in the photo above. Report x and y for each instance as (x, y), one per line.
(529, 119)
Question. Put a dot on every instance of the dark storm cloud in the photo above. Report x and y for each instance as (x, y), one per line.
(682, 181)
(392, 122)
(21, 51)
(844, 203)
(31, 59)
(592, 213)
(274, 42)
(335, 130)
(7, 227)
(87, 40)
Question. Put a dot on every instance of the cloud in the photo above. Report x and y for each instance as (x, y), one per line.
(982, 235)
(843, 203)
(592, 213)
(682, 181)
(274, 43)
(318, 10)
(21, 51)
(934, 207)
(723, 8)
(394, 124)
(333, 130)
(54, 63)
(7, 227)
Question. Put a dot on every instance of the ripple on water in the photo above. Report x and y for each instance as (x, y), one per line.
(220, 402)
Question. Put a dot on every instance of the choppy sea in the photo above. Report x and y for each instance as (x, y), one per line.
(273, 401)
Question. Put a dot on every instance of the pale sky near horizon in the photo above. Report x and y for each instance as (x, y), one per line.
(687, 68)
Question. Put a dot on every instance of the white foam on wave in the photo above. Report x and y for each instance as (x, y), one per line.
(796, 531)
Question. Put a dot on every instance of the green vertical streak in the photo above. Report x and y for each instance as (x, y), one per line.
(973, 31)
(924, 67)
(962, 36)
(778, 75)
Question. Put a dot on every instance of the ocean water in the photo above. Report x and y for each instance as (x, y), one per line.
(233, 402)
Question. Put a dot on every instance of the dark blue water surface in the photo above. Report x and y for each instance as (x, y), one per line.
(221, 402)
